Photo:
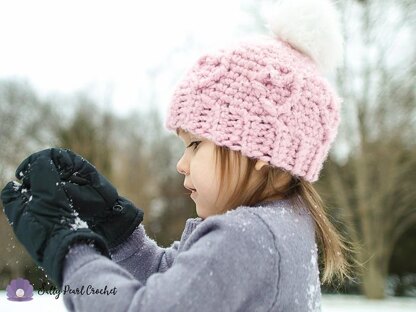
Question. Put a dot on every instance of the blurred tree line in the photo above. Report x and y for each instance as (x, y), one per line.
(370, 194)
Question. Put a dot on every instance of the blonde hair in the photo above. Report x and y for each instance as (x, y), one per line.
(278, 183)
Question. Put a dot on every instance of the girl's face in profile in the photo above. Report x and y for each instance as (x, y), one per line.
(198, 161)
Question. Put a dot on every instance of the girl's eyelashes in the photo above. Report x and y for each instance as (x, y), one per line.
(196, 143)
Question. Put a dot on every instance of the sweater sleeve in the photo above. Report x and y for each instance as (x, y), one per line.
(140, 248)
(223, 267)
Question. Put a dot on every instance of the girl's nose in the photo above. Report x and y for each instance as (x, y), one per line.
(180, 167)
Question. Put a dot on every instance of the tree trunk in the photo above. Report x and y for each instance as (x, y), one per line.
(373, 280)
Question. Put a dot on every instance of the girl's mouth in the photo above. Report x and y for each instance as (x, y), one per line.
(191, 189)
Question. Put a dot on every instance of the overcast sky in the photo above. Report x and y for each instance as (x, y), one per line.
(106, 47)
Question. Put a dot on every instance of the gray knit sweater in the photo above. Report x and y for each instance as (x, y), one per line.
(261, 258)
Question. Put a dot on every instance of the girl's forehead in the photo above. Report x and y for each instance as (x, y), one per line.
(181, 132)
(187, 135)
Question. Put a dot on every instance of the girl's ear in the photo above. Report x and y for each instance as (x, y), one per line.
(260, 164)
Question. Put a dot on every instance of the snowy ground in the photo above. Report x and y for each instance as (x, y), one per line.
(330, 303)
(353, 303)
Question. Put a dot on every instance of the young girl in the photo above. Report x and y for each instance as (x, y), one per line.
(257, 120)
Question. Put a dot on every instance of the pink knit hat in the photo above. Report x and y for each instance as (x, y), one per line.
(267, 97)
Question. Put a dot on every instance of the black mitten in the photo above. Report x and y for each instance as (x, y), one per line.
(95, 198)
(42, 216)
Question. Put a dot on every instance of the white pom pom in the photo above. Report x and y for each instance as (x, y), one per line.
(310, 26)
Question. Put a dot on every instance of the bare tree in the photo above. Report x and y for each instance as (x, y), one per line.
(89, 133)
(374, 189)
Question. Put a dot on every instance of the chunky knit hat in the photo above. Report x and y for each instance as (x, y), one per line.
(267, 97)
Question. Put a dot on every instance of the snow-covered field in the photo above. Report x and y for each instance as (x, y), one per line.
(330, 303)
(353, 303)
